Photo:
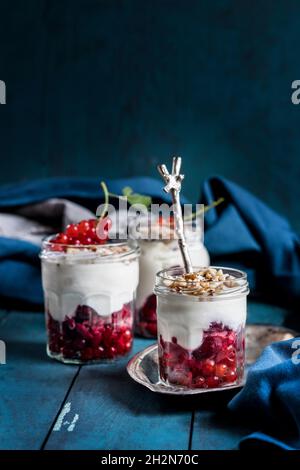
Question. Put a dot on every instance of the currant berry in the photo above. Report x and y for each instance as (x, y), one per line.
(213, 381)
(62, 238)
(127, 335)
(83, 227)
(91, 233)
(199, 382)
(208, 367)
(72, 231)
(112, 351)
(231, 376)
(221, 370)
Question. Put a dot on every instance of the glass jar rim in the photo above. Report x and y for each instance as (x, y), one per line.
(101, 252)
(240, 277)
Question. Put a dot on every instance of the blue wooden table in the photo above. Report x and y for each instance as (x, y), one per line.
(48, 405)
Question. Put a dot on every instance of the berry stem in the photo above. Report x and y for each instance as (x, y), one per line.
(106, 199)
(205, 209)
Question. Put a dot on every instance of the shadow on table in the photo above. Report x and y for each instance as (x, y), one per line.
(33, 352)
(125, 392)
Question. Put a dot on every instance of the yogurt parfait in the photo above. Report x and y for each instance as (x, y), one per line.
(201, 326)
(89, 288)
(159, 250)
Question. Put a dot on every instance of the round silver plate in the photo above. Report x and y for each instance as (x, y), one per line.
(143, 367)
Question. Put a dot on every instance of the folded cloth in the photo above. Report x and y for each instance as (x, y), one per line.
(34, 221)
(85, 191)
(270, 400)
(31, 210)
(244, 231)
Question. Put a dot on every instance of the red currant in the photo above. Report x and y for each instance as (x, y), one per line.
(56, 247)
(208, 367)
(199, 382)
(126, 335)
(231, 376)
(72, 230)
(83, 227)
(91, 232)
(87, 354)
(112, 351)
(62, 238)
(212, 381)
(127, 346)
(221, 370)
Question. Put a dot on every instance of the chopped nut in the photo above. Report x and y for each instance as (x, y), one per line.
(230, 283)
(191, 276)
(212, 271)
(206, 282)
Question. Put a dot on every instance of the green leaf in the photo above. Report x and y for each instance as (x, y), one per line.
(136, 198)
(127, 191)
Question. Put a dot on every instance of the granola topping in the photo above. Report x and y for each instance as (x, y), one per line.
(106, 250)
(205, 282)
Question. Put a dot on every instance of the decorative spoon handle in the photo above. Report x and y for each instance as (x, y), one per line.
(173, 186)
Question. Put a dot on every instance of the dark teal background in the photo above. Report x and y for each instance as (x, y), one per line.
(112, 87)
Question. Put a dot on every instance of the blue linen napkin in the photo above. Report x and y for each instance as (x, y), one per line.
(270, 400)
(242, 232)
(20, 276)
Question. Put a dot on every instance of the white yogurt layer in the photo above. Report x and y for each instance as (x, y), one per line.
(187, 319)
(158, 255)
(105, 287)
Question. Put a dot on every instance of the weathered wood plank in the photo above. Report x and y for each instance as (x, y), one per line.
(104, 409)
(32, 387)
(216, 430)
(107, 410)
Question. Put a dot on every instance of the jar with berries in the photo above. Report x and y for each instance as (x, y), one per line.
(89, 285)
(201, 327)
(159, 249)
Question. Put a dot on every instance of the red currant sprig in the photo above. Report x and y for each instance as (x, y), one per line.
(86, 232)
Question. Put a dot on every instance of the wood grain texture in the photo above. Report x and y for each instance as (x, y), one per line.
(214, 429)
(32, 387)
(104, 408)
(116, 413)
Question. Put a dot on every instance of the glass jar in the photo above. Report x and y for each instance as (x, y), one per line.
(89, 296)
(157, 254)
(201, 334)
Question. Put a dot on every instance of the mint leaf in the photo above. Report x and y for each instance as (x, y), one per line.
(127, 191)
(136, 198)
